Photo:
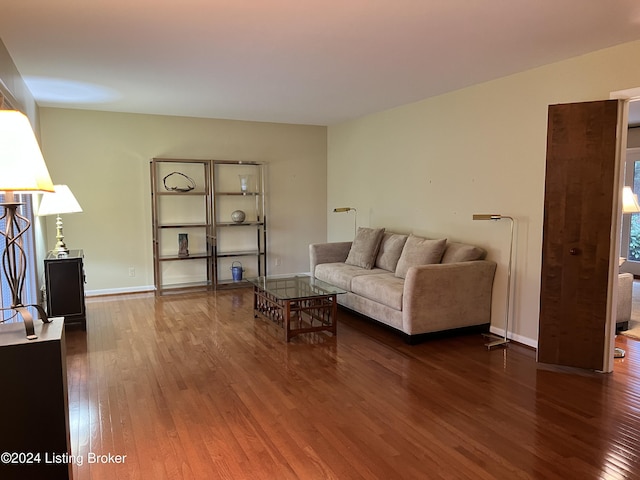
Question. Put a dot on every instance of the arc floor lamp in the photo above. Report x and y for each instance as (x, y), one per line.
(498, 341)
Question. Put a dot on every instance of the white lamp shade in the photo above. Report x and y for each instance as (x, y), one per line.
(60, 201)
(629, 201)
(22, 167)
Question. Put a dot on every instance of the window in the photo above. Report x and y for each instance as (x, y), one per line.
(29, 292)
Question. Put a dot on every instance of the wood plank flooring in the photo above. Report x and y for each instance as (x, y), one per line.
(193, 387)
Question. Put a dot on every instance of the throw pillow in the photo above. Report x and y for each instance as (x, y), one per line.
(390, 250)
(365, 247)
(419, 251)
(460, 252)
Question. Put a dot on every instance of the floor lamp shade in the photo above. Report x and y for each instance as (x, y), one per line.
(56, 203)
(496, 216)
(22, 169)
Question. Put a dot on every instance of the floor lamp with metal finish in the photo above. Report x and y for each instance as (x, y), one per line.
(22, 170)
(355, 216)
(498, 341)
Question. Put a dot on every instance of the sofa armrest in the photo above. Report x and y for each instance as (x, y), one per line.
(447, 295)
(327, 253)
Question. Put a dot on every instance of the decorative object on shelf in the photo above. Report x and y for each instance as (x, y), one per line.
(236, 271)
(190, 185)
(501, 341)
(56, 203)
(183, 245)
(355, 216)
(22, 169)
(244, 183)
(238, 216)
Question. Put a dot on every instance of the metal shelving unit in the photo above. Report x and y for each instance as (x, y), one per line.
(239, 242)
(178, 210)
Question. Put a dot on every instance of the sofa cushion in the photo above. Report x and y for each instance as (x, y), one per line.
(419, 251)
(365, 247)
(340, 274)
(390, 250)
(461, 252)
(385, 288)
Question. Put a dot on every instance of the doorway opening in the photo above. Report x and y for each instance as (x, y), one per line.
(630, 233)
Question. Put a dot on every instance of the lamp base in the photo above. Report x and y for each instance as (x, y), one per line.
(60, 249)
(27, 318)
(496, 342)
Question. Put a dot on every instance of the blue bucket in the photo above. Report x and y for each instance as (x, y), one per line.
(236, 271)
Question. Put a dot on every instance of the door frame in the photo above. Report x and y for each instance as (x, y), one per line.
(616, 235)
(623, 123)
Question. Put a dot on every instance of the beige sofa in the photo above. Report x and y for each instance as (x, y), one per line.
(625, 300)
(415, 285)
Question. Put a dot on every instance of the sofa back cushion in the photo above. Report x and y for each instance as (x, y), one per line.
(390, 250)
(419, 251)
(364, 248)
(461, 252)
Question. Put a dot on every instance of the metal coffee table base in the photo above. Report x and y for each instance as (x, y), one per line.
(299, 315)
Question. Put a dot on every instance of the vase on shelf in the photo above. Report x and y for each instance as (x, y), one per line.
(183, 245)
(245, 181)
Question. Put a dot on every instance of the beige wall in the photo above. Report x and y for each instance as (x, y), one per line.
(428, 166)
(104, 158)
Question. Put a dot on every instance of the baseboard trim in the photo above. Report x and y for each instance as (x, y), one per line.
(529, 342)
(118, 291)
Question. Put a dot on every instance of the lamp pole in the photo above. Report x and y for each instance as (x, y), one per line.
(504, 340)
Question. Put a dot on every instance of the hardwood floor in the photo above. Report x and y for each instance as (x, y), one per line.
(193, 387)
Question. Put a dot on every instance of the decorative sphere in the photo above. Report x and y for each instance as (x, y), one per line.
(238, 216)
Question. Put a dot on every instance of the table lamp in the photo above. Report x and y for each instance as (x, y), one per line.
(629, 201)
(22, 170)
(55, 203)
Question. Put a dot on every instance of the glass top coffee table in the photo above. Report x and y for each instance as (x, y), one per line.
(297, 303)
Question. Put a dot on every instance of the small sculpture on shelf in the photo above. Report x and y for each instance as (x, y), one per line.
(238, 216)
(183, 245)
(182, 183)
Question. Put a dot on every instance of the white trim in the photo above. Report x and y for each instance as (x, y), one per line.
(117, 291)
(530, 342)
(627, 94)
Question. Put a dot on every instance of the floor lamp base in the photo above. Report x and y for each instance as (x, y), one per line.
(495, 342)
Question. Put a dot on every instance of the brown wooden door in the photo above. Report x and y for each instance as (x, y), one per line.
(582, 169)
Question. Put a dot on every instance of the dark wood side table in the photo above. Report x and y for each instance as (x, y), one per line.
(64, 283)
(34, 412)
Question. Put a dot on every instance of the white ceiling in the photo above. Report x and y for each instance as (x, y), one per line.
(293, 61)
